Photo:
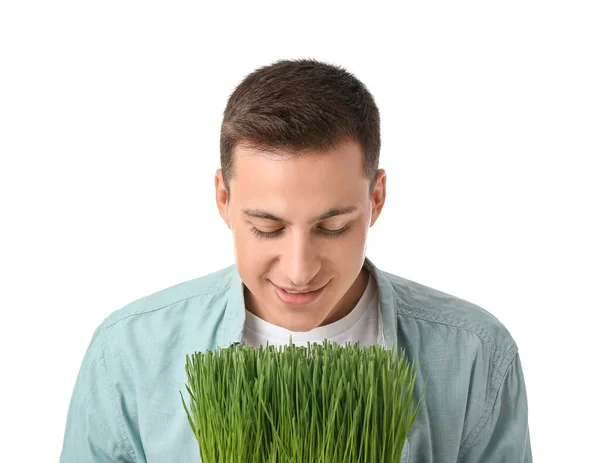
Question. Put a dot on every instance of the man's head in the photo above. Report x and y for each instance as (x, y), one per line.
(299, 186)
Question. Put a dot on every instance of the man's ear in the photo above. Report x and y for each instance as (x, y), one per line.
(378, 199)
(222, 197)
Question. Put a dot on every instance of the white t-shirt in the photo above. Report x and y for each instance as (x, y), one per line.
(362, 325)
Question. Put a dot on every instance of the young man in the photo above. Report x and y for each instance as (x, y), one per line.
(299, 187)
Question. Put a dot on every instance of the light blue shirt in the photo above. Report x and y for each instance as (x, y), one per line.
(126, 404)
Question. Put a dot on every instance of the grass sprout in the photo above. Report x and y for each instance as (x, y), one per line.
(321, 403)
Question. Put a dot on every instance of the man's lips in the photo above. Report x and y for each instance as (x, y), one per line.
(298, 299)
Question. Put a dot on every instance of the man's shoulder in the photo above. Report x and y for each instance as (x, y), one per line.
(440, 310)
(213, 283)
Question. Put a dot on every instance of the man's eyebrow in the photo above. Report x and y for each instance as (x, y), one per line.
(333, 212)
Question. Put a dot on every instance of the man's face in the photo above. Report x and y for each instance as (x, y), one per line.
(303, 250)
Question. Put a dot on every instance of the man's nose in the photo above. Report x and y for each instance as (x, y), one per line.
(300, 260)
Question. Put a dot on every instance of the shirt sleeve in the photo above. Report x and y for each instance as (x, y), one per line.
(94, 433)
(504, 437)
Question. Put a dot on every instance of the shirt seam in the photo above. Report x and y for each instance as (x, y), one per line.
(499, 378)
(118, 416)
(165, 305)
(408, 310)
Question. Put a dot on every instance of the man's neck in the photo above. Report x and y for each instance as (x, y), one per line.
(350, 299)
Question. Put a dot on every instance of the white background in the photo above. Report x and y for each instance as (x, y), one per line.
(109, 142)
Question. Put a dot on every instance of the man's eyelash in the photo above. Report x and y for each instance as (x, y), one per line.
(325, 231)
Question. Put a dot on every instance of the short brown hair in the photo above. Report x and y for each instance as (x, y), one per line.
(300, 105)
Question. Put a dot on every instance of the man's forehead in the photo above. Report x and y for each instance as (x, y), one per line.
(251, 150)
(278, 185)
